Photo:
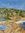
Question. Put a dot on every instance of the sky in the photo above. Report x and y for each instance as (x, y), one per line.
(20, 4)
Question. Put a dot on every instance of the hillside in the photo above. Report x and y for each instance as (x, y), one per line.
(12, 16)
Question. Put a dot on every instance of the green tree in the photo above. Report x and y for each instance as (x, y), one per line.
(20, 14)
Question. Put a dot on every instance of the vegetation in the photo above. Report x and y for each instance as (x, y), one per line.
(11, 12)
(11, 16)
